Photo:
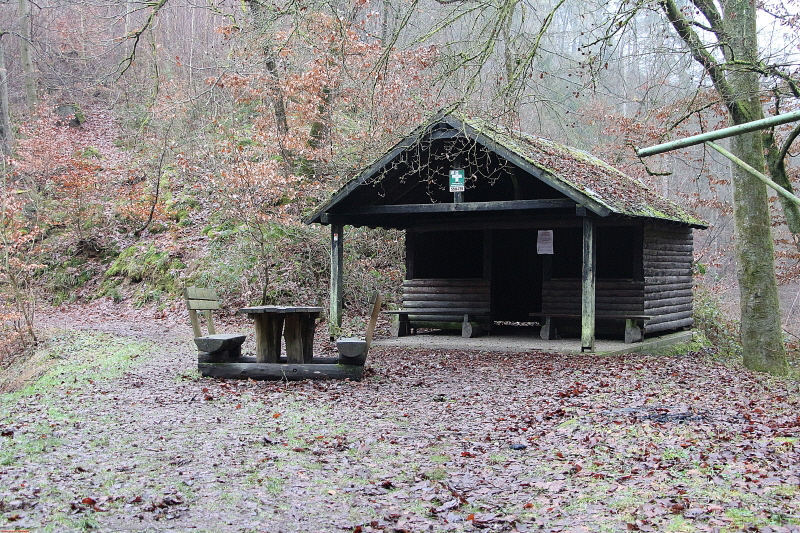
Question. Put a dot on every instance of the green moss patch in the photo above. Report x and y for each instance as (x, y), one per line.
(156, 273)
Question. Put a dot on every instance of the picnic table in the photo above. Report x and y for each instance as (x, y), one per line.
(295, 323)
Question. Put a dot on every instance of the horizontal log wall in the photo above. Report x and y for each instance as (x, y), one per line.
(444, 296)
(667, 263)
(613, 297)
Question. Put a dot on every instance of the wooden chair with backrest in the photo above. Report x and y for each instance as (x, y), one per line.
(218, 347)
(353, 350)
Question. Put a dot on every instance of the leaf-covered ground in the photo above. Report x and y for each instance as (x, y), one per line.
(122, 435)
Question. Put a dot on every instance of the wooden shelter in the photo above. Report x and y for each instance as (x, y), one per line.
(551, 230)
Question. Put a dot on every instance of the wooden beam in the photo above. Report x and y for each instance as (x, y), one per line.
(488, 258)
(274, 371)
(533, 219)
(337, 289)
(413, 209)
(487, 255)
(588, 285)
(411, 245)
(747, 127)
(494, 223)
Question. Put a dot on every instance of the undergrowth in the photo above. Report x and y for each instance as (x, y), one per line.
(14, 345)
(718, 329)
(154, 272)
(293, 265)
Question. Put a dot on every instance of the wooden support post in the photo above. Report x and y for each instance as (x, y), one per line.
(195, 323)
(487, 272)
(547, 329)
(588, 285)
(337, 259)
(399, 327)
(638, 256)
(547, 267)
(470, 328)
(411, 244)
(308, 323)
(633, 333)
(487, 255)
(209, 323)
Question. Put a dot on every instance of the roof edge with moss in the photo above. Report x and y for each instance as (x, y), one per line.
(579, 175)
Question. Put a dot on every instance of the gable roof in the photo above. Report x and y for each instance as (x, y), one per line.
(572, 177)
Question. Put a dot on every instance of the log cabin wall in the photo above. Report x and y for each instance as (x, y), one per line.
(667, 263)
(612, 297)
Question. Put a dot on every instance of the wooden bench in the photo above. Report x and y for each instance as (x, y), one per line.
(633, 332)
(445, 303)
(353, 350)
(214, 347)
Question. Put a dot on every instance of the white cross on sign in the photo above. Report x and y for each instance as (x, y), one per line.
(457, 180)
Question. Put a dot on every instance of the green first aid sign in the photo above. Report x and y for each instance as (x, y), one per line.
(457, 180)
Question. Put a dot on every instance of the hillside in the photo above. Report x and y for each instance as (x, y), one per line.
(93, 216)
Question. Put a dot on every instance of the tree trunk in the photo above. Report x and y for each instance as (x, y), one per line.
(6, 133)
(737, 83)
(762, 336)
(263, 19)
(25, 53)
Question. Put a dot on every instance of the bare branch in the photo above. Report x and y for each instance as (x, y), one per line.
(788, 143)
(534, 50)
(698, 50)
(714, 18)
(136, 35)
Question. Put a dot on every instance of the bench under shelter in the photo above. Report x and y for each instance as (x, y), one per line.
(504, 226)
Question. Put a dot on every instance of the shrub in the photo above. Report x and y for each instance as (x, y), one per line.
(716, 326)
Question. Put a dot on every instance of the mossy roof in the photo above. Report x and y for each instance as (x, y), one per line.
(575, 173)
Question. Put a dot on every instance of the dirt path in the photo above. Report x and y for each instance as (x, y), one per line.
(432, 440)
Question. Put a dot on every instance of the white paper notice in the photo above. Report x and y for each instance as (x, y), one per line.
(544, 244)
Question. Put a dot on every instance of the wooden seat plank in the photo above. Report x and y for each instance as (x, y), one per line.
(217, 347)
(633, 332)
(445, 303)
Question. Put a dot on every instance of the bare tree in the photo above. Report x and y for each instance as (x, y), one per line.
(6, 131)
(25, 53)
(731, 61)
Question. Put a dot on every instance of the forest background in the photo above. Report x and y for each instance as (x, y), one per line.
(154, 145)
